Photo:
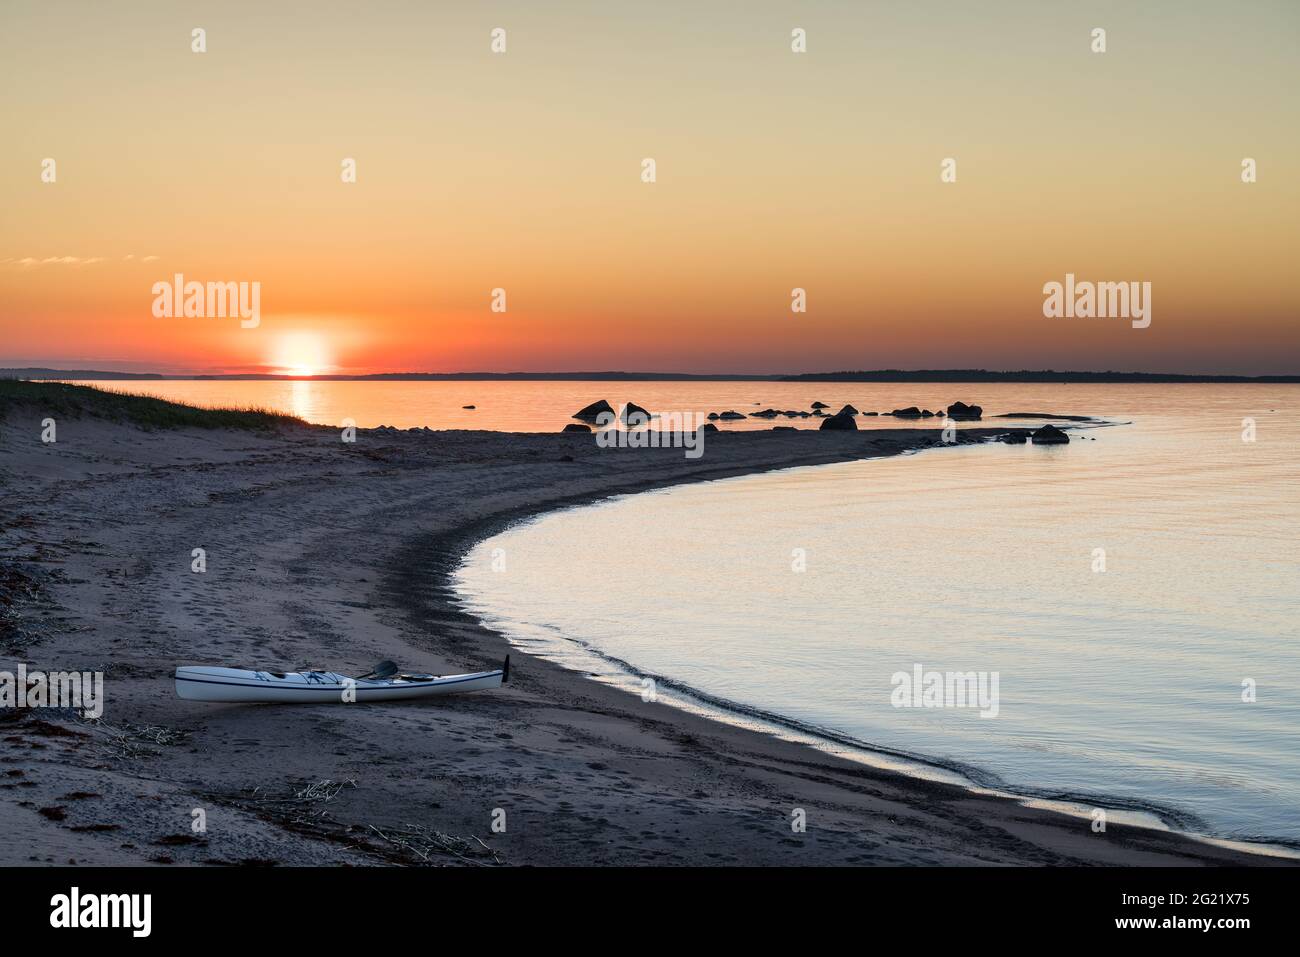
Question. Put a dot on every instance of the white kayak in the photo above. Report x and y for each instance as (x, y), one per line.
(304, 687)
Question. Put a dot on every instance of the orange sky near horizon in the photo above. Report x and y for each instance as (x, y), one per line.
(776, 170)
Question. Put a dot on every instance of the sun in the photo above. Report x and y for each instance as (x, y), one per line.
(301, 354)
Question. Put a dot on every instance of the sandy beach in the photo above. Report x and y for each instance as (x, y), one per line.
(332, 555)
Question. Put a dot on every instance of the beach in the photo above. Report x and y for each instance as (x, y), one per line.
(333, 555)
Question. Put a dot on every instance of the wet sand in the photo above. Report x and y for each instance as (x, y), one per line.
(328, 555)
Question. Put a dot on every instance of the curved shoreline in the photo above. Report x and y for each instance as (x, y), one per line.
(1132, 811)
(445, 552)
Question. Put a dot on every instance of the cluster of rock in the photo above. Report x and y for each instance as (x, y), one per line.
(1047, 435)
(958, 411)
(843, 420)
(601, 412)
(392, 429)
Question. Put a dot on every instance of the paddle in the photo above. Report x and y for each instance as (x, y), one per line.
(385, 669)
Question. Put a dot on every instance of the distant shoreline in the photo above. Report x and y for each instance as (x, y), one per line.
(880, 375)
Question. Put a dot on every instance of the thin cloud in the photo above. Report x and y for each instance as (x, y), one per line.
(32, 262)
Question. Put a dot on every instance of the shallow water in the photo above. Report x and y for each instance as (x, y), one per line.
(1121, 687)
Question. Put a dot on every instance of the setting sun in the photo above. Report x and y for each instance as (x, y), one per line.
(300, 354)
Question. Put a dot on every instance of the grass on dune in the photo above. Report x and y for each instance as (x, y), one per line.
(58, 398)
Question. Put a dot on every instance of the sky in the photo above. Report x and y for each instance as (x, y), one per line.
(774, 170)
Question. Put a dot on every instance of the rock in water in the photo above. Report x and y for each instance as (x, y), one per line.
(633, 414)
(710, 427)
(594, 411)
(1049, 435)
(960, 410)
(847, 410)
(819, 405)
(575, 427)
(1018, 437)
(911, 412)
(840, 422)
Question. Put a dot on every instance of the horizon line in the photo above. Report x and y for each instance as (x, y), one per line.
(878, 375)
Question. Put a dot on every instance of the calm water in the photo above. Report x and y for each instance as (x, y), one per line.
(1120, 686)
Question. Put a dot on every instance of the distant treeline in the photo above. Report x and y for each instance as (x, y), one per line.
(1027, 375)
(880, 375)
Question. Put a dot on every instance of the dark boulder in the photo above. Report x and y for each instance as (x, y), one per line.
(927, 414)
(575, 427)
(840, 423)
(819, 405)
(870, 413)
(765, 414)
(709, 427)
(847, 410)
(1018, 437)
(1049, 435)
(594, 411)
(469, 407)
(633, 414)
(732, 415)
(784, 428)
(961, 411)
(911, 412)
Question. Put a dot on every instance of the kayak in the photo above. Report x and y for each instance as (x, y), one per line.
(312, 687)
